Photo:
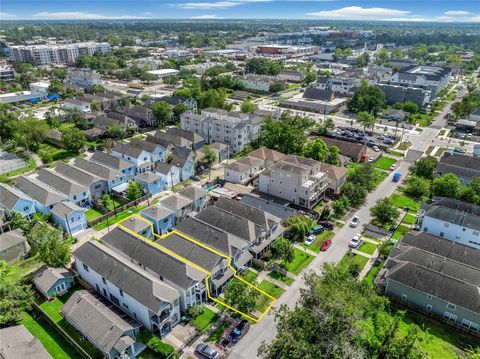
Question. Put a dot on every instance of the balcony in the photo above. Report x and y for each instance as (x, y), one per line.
(200, 288)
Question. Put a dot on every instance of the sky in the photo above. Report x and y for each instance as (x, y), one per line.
(385, 10)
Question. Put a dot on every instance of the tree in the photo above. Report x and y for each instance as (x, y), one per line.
(247, 107)
(107, 202)
(241, 296)
(262, 66)
(363, 176)
(50, 245)
(384, 213)
(366, 119)
(179, 109)
(356, 194)
(6, 179)
(333, 155)
(363, 59)
(283, 250)
(310, 76)
(425, 167)
(410, 107)
(340, 206)
(134, 191)
(96, 88)
(30, 132)
(16, 220)
(209, 156)
(277, 86)
(55, 87)
(73, 139)
(316, 149)
(17, 298)
(95, 106)
(369, 98)
(338, 54)
(298, 226)
(326, 127)
(162, 112)
(448, 185)
(114, 131)
(417, 187)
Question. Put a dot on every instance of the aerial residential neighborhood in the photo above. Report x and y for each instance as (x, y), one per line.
(203, 180)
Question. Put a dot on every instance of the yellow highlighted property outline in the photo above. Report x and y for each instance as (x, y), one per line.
(209, 274)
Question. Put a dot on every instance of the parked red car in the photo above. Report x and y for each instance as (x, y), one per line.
(326, 245)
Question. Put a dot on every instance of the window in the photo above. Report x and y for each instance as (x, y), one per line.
(429, 307)
(429, 297)
(75, 197)
(464, 229)
(26, 209)
(121, 293)
(72, 219)
(104, 281)
(97, 287)
(404, 297)
(451, 306)
(85, 267)
(476, 233)
(466, 323)
(442, 234)
(126, 306)
(450, 316)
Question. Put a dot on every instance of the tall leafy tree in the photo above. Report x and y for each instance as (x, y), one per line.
(299, 225)
(247, 107)
(73, 139)
(425, 167)
(368, 98)
(283, 250)
(241, 296)
(49, 243)
(134, 191)
(448, 185)
(316, 149)
(366, 119)
(384, 212)
(162, 112)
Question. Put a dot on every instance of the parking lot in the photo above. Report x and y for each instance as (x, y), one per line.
(356, 135)
(10, 162)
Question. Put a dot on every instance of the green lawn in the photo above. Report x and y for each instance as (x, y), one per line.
(118, 217)
(354, 258)
(409, 219)
(52, 309)
(380, 175)
(20, 269)
(250, 276)
(300, 261)
(216, 335)
(384, 163)
(367, 247)
(280, 277)
(268, 287)
(404, 146)
(53, 342)
(402, 201)
(315, 246)
(92, 214)
(205, 320)
(372, 273)
(395, 153)
(29, 167)
(400, 231)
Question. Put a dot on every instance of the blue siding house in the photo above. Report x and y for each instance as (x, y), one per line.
(169, 174)
(70, 217)
(45, 197)
(139, 225)
(187, 167)
(197, 195)
(118, 164)
(163, 219)
(150, 182)
(113, 177)
(12, 200)
(74, 191)
(53, 282)
(138, 157)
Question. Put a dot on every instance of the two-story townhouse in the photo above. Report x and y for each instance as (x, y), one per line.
(70, 217)
(264, 204)
(162, 141)
(75, 104)
(197, 195)
(129, 286)
(103, 325)
(151, 182)
(204, 258)
(96, 185)
(190, 282)
(138, 157)
(162, 218)
(180, 205)
(195, 139)
(465, 167)
(13, 200)
(267, 155)
(243, 170)
(186, 166)
(157, 152)
(112, 177)
(118, 164)
(143, 116)
(437, 276)
(169, 174)
(227, 243)
(139, 226)
(336, 177)
(452, 219)
(296, 179)
(45, 197)
(74, 191)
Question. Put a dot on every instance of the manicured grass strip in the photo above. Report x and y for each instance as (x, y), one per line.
(352, 258)
(29, 167)
(118, 218)
(92, 214)
(216, 336)
(402, 201)
(20, 269)
(395, 153)
(409, 219)
(280, 277)
(367, 247)
(380, 175)
(270, 288)
(53, 342)
(384, 163)
(372, 273)
(400, 231)
(205, 320)
(250, 276)
(321, 238)
(300, 261)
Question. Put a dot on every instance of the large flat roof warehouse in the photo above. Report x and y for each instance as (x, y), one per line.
(163, 72)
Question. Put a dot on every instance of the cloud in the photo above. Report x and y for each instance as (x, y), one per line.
(457, 13)
(206, 17)
(209, 5)
(6, 15)
(79, 15)
(360, 13)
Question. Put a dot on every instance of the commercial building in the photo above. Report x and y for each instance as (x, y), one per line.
(84, 78)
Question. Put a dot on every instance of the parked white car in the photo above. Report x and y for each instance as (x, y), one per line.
(354, 222)
(310, 239)
(356, 241)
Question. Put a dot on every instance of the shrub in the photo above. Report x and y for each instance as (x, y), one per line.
(163, 350)
(195, 311)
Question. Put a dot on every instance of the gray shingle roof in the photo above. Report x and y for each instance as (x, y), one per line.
(101, 171)
(63, 209)
(454, 211)
(135, 224)
(176, 201)
(127, 149)
(148, 177)
(9, 196)
(163, 167)
(157, 212)
(102, 323)
(268, 206)
(153, 258)
(110, 161)
(60, 182)
(148, 146)
(45, 277)
(11, 239)
(18, 343)
(79, 175)
(39, 191)
(133, 280)
(193, 192)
